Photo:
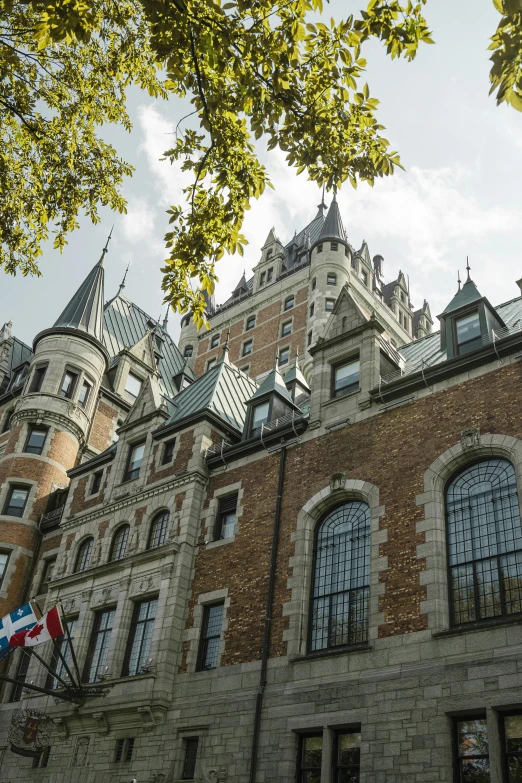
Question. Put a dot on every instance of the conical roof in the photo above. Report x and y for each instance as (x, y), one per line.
(466, 295)
(85, 310)
(333, 224)
(295, 374)
(273, 383)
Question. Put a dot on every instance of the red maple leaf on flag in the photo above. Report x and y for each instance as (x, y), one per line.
(35, 631)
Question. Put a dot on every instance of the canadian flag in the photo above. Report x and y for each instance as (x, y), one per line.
(48, 627)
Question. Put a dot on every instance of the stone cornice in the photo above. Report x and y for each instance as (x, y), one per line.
(50, 416)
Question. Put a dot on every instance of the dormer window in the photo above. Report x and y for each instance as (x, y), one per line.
(468, 333)
(260, 415)
(262, 278)
(132, 387)
(345, 378)
(269, 254)
(270, 274)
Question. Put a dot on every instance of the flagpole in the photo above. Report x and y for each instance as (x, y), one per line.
(71, 647)
(57, 649)
(46, 666)
(54, 694)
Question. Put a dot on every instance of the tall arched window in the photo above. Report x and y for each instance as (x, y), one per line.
(158, 530)
(484, 542)
(119, 543)
(83, 558)
(341, 577)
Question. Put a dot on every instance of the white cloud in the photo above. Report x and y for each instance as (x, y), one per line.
(138, 223)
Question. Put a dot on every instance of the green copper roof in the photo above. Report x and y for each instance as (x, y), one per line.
(85, 310)
(333, 225)
(468, 293)
(295, 374)
(274, 383)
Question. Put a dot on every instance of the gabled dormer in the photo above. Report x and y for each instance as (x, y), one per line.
(296, 384)
(271, 263)
(271, 402)
(468, 322)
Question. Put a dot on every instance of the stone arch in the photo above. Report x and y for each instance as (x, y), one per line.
(297, 609)
(472, 446)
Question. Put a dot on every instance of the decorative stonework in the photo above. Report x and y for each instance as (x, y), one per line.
(337, 482)
(81, 751)
(469, 439)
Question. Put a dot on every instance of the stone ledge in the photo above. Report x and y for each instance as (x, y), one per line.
(331, 653)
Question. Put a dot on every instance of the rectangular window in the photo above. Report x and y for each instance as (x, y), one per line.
(123, 750)
(168, 451)
(286, 328)
(289, 302)
(99, 645)
(314, 283)
(329, 305)
(309, 339)
(319, 249)
(7, 421)
(251, 322)
(21, 673)
(38, 376)
(64, 647)
(68, 384)
(468, 333)
(132, 387)
(310, 759)
(36, 440)
(247, 348)
(189, 758)
(42, 761)
(4, 561)
(16, 501)
(333, 246)
(331, 278)
(262, 278)
(346, 378)
(226, 517)
(85, 391)
(47, 575)
(96, 482)
(347, 756)
(284, 356)
(210, 637)
(365, 278)
(312, 310)
(353, 264)
(134, 462)
(245, 370)
(215, 341)
(211, 363)
(270, 274)
(260, 415)
(140, 637)
(471, 750)
(511, 732)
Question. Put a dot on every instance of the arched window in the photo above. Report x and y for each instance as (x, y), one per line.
(83, 557)
(341, 577)
(484, 542)
(158, 530)
(119, 543)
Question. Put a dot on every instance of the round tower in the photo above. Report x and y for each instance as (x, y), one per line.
(49, 426)
(188, 340)
(330, 261)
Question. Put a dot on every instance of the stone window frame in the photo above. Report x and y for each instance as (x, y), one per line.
(280, 351)
(285, 308)
(6, 420)
(50, 554)
(193, 635)
(87, 495)
(73, 370)
(76, 551)
(245, 342)
(209, 516)
(247, 328)
(216, 338)
(149, 521)
(472, 447)
(28, 427)
(5, 488)
(286, 323)
(13, 551)
(301, 562)
(158, 462)
(189, 732)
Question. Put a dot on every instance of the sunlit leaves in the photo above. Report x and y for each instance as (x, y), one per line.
(506, 71)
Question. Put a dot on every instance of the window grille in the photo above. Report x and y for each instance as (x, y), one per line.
(347, 756)
(83, 557)
(190, 757)
(210, 637)
(511, 733)
(484, 542)
(119, 543)
(99, 645)
(141, 636)
(471, 750)
(123, 750)
(226, 518)
(310, 758)
(340, 587)
(64, 647)
(159, 530)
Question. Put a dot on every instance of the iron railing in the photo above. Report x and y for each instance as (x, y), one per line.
(218, 449)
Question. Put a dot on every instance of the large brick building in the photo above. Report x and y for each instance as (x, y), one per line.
(289, 549)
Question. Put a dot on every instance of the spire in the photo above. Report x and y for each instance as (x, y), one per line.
(458, 280)
(333, 225)
(225, 358)
(468, 268)
(166, 319)
(466, 295)
(122, 284)
(321, 207)
(85, 310)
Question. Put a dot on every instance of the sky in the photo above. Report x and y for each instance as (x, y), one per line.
(460, 195)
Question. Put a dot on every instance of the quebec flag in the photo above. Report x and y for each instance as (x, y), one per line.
(20, 620)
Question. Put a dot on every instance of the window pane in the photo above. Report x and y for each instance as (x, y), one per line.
(159, 529)
(260, 415)
(473, 737)
(119, 544)
(4, 559)
(189, 762)
(99, 646)
(132, 386)
(284, 356)
(141, 636)
(347, 377)
(211, 636)
(349, 748)
(136, 458)
(468, 328)
(68, 382)
(84, 394)
(513, 730)
(17, 500)
(36, 441)
(515, 769)
(475, 771)
(312, 751)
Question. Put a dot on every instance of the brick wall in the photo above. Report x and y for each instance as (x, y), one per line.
(183, 454)
(104, 422)
(81, 502)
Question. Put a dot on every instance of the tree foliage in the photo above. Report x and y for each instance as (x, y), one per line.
(253, 69)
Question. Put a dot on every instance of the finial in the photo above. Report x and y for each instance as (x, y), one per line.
(106, 248)
(468, 267)
(225, 347)
(458, 279)
(166, 319)
(297, 356)
(276, 364)
(122, 284)
(322, 205)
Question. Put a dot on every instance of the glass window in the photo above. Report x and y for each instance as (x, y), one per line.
(168, 451)
(215, 341)
(331, 278)
(83, 557)
(269, 254)
(16, 501)
(141, 636)
(42, 761)
(189, 758)
(319, 248)
(472, 750)
(96, 482)
(62, 646)
(289, 302)
(38, 376)
(484, 542)
(245, 370)
(119, 543)
(314, 283)
(347, 757)
(247, 348)
(341, 577)
(124, 750)
(211, 363)
(286, 328)
(310, 759)
(309, 338)
(468, 333)
(68, 384)
(512, 747)
(135, 459)
(187, 353)
(333, 246)
(260, 415)
(284, 356)
(262, 278)
(269, 274)
(18, 378)
(353, 264)
(210, 637)
(85, 391)
(132, 386)
(346, 378)
(99, 645)
(329, 305)
(159, 530)
(4, 560)
(251, 322)
(226, 518)
(365, 278)
(47, 575)
(21, 673)
(35, 440)
(312, 309)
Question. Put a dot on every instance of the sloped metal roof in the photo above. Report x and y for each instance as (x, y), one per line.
(333, 225)
(19, 353)
(466, 295)
(85, 310)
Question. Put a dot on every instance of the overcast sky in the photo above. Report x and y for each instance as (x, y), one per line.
(460, 195)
